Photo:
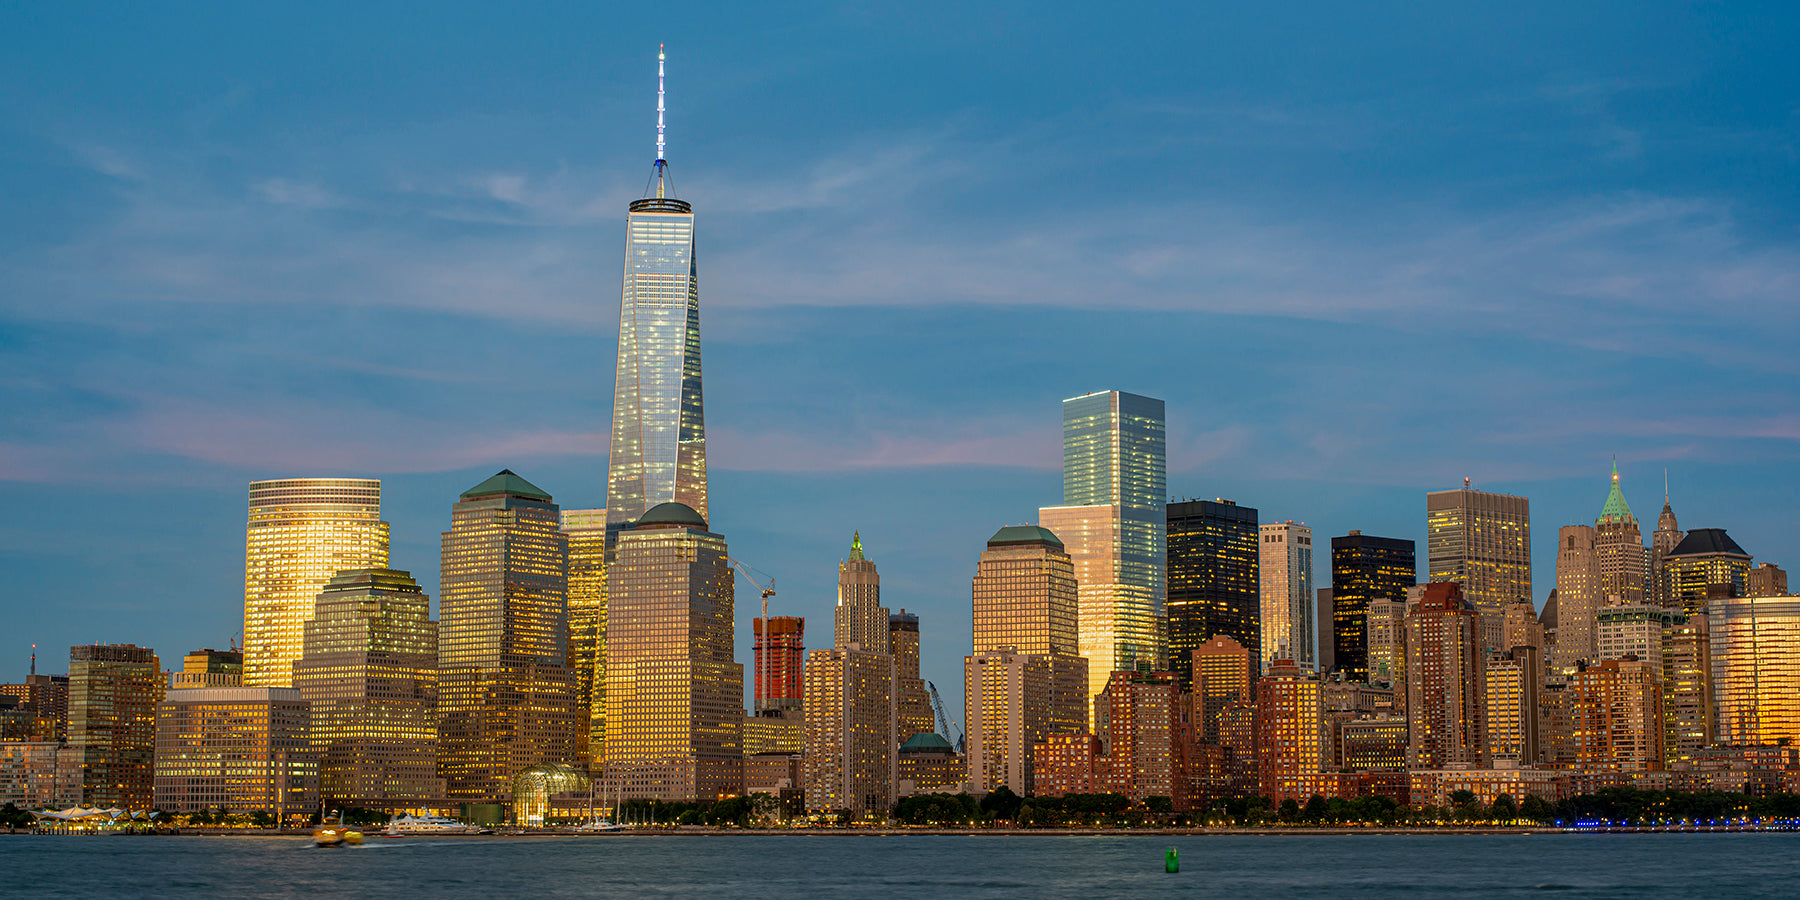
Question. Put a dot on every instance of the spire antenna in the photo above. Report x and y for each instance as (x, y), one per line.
(660, 56)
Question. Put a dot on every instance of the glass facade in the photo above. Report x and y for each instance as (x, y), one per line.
(301, 532)
(1214, 576)
(586, 533)
(1286, 583)
(113, 693)
(1111, 520)
(659, 423)
(1364, 568)
(235, 748)
(1756, 669)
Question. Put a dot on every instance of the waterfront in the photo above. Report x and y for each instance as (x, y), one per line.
(1297, 866)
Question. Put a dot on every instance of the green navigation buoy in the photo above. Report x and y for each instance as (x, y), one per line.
(1171, 861)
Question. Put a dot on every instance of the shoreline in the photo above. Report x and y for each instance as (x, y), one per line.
(706, 831)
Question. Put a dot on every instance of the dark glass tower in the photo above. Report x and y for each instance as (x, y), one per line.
(1363, 568)
(1213, 578)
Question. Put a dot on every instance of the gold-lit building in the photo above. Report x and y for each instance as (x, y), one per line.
(1290, 729)
(1706, 559)
(1445, 680)
(1766, 580)
(851, 739)
(242, 749)
(1616, 716)
(1687, 664)
(1578, 596)
(1385, 632)
(1138, 721)
(1023, 682)
(912, 699)
(859, 617)
(1376, 743)
(301, 532)
(930, 765)
(370, 674)
(1619, 551)
(1482, 541)
(674, 692)
(113, 693)
(1756, 669)
(1224, 673)
(585, 530)
(210, 668)
(1512, 704)
(506, 701)
(40, 774)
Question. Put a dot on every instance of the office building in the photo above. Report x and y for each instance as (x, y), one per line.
(1386, 642)
(1223, 674)
(38, 710)
(113, 693)
(930, 765)
(1363, 568)
(506, 701)
(1445, 680)
(1482, 541)
(40, 774)
(1512, 704)
(674, 692)
(585, 532)
(242, 749)
(1111, 521)
(1619, 553)
(1689, 725)
(1287, 593)
(1667, 535)
(1766, 580)
(1214, 578)
(1638, 631)
(1578, 597)
(369, 672)
(851, 736)
(301, 531)
(1705, 558)
(912, 699)
(860, 618)
(210, 668)
(1756, 669)
(1520, 625)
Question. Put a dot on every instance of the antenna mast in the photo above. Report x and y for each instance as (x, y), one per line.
(661, 162)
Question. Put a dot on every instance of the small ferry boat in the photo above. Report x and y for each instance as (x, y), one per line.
(337, 834)
(404, 825)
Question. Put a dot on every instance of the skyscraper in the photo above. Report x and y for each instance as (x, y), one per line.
(113, 693)
(585, 530)
(912, 702)
(1766, 580)
(1578, 598)
(1511, 704)
(1619, 550)
(301, 532)
(851, 739)
(1290, 729)
(1224, 674)
(860, 618)
(1287, 593)
(1482, 541)
(1112, 522)
(1363, 568)
(1214, 580)
(1662, 543)
(674, 692)
(1445, 681)
(1756, 669)
(659, 420)
(369, 671)
(505, 698)
(780, 651)
(236, 748)
(1706, 561)
(1616, 716)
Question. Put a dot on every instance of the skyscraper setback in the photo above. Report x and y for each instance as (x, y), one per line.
(1112, 522)
(659, 421)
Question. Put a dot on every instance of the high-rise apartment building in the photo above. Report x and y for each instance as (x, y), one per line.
(1481, 540)
(860, 618)
(236, 748)
(1520, 626)
(1689, 724)
(1705, 558)
(659, 417)
(585, 532)
(1638, 631)
(1386, 642)
(113, 693)
(1023, 681)
(912, 701)
(1138, 721)
(506, 701)
(1446, 680)
(1291, 735)
(1578, 597)
(39, 709)
(1662, 543)
(301, 532)
(1112, 523)
(1224, 673)
(1512, 705)
(369, 672)
(1766, 580)
(1214, 553)
(1287, 593)
(674, 691)
(780, 651)
(1363, 568)
(1619, 552)
(1616, 716)
(1756, 669)
(851, 736)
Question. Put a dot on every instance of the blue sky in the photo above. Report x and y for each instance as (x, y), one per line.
(1361, 253)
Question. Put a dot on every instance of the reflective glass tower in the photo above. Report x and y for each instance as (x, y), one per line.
(659, 423)
(1214, 571)
(1111, 521)
(1364, 568)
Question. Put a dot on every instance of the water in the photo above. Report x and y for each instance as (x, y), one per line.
(821, 866)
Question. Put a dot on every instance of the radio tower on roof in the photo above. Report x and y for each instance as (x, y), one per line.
(662, 162)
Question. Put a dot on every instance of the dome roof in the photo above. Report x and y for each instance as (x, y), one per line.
(927, 742)
(671, 514)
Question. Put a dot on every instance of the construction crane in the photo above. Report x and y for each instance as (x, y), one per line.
(768, 590)
(943, 721)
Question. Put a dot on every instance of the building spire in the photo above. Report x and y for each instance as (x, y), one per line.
(661, 161)
(856, 550)
(1615, 509)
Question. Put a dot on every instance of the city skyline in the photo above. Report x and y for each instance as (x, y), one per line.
(156, 565)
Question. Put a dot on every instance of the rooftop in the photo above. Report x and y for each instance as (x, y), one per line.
(1024, 534)
(671, 514)
(506, 482)
(1703, 541)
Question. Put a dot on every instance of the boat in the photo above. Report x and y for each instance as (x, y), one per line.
(336, 834)
(403, 825)
(593, 825)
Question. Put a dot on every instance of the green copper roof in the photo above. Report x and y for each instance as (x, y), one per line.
(927, 742)
(507, 483)
(671, 514)
(856, 545)
(1616, 509)
(1024, 534)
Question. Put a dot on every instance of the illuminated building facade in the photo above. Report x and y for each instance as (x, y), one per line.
(1214, 582)
(1446, 680)
(370, 674)
(1011, 703)
(1663, 541)
(506, 701)
(1364, 568)
(780, 663)
(1223, 674)
(930, 765)
(40, 774)
(1520, 626)
(585, 532)
(1385, 634)
(1638, 631)
(1138, 721)
(859, 617)
(210, 668)
(113, 693)
(1756, 669)
(1482, 541)
(674, 692)
(235, 748)
(1766, 580)
(1287, 593)
(1290, 729)
(1689, 724)
(1512, 703)
(1578, 597)
(1112, 523)
(1616, 716)
(912, 699)
(38, 709)
(1619, 553)
(1706, 557)
(301, 532)
(851, 738)
(1372, 744)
